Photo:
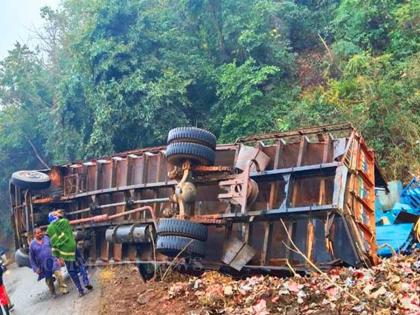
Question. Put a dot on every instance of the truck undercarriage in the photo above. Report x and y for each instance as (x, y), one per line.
(267, 202)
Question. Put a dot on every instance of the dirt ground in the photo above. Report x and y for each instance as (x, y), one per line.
(124, 292)
(392, 287)
(117, 290)
(32, 297)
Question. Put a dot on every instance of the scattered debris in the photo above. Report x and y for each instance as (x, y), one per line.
(391, 287)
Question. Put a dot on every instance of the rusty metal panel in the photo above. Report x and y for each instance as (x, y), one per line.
(90, 175)
(138, 169)
(119, 178)
(246, 154)
(237, 254)
(135, 168)
(152, 167)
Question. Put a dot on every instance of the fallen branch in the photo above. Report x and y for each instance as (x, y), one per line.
(327, 48)
(36, 153)
(174, 260)
(154, 258)
(291, 268)
(298, 251)
(393, 252)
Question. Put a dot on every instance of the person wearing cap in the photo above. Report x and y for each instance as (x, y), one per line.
(64, 248)
(44, 263)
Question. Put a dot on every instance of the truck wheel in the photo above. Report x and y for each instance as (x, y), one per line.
(182, 228)
(22, 258)
(31, 180)
(177, 153)
(192, 134)
(172, 245)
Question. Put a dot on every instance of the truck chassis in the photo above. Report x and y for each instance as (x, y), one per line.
(273, 202)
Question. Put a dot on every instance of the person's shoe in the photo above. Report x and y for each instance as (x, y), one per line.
(89, 287)
(81, 293)
(54, 296)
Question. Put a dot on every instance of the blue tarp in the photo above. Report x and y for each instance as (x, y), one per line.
(398, 235)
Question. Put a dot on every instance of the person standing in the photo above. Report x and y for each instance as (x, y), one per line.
(64, 247)
(44, 263)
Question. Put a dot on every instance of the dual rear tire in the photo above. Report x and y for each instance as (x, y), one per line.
(181, 238)
(190, 143)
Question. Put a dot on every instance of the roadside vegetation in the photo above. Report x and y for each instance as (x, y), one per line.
(112, 75)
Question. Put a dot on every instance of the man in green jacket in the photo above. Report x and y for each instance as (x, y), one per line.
(64, 248)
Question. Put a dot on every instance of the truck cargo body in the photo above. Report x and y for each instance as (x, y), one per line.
(269, 202)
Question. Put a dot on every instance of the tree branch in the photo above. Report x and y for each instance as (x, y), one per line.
(36, 153)
(298, 251)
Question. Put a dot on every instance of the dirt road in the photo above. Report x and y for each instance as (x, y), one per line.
(32, 297)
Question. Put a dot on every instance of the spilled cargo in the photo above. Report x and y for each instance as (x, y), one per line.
(398, 218)
(271, 202)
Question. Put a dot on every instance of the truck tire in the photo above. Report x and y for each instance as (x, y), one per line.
(192, 134)
(33, 180)
(182, 228)
(172, 245)
(22, 258)
(178, 152)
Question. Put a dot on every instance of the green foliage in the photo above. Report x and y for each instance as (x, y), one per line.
(381, 96)
(246, 108)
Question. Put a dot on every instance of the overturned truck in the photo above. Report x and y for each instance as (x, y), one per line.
(266, 202)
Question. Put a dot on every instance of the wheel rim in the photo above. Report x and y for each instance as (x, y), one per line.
(33, 175)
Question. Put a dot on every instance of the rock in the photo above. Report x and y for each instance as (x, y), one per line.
(228, 290)
(378, 292)
(143, 299)
(260, 308)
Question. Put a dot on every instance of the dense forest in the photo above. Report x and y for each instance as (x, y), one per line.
(113, 75)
